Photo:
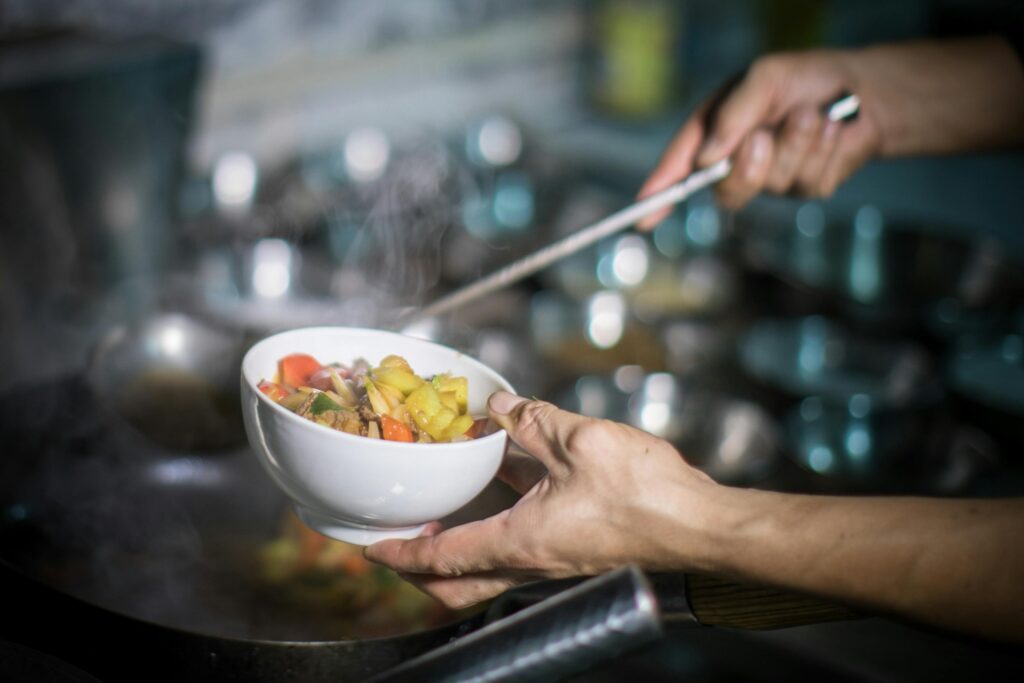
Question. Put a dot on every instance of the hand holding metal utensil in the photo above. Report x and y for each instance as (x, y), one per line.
(845, 108)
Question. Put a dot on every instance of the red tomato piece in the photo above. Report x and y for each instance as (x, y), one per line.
(296, 369)
(275, 391)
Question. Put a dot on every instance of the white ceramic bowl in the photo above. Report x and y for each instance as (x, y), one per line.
(354, 488)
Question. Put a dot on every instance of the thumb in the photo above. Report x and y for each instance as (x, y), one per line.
(743, 110)
(541, 429)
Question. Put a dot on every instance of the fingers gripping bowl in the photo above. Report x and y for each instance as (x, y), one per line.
(357, 489)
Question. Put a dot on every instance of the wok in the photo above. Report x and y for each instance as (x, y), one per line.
(140, 545)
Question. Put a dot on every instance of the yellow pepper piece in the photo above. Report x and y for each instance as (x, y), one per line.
(428, 412)
(393, 396)
(401, 413)
(438, 425)
(396, 362)
(423, 404)
(449, 401)
(458, 427)
(398, 378)
(459, 385)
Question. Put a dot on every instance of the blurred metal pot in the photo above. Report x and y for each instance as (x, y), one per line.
(733, 440)
(815, 356)
(987, 379)
(174, 379)
(886, 271)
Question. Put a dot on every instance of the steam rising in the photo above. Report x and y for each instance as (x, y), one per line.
(399, 248)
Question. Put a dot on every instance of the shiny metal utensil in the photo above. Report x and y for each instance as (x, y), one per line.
(575, 242)
(845, 108)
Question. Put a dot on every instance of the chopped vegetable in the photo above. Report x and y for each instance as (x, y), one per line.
(275, 391)
(293, 401)
(296, 369)
(402, 380)
(389, 401)
(395, 430)
(449, 400)
(458, 385)
(478, 429)
(322, 403)
(458, 427)
(396, 362)
(377, 401)
(342, 388)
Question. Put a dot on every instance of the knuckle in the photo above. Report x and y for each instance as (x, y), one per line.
(533, 415)
(587, 435)
(443, 565)
(438, 561)
(769, 67)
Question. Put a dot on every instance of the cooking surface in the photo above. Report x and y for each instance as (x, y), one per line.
(202, 542)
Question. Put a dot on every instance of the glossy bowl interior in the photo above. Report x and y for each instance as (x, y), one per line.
(354, 488)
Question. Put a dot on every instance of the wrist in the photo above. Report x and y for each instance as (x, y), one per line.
(698, 527)
(736, 531)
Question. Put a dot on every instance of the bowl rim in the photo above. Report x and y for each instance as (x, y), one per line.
(345, 437)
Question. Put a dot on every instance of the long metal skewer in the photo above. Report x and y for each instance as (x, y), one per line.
(578, 240)
(843, 109)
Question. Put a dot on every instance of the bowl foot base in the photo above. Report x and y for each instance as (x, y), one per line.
(353, 533)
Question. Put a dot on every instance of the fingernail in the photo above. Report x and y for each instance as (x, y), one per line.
(503, 403)
(831, 130)
(759, 148)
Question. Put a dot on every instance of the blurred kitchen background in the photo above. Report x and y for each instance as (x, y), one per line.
(180, 179)
(253, 166)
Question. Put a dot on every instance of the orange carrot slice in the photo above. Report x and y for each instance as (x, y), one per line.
(394, 430)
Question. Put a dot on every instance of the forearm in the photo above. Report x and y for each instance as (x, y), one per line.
(953, 563)
(940, 97)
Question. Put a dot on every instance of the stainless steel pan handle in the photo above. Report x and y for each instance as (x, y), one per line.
(572, 631)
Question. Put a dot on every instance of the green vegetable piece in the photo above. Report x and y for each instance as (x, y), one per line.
(322, 403)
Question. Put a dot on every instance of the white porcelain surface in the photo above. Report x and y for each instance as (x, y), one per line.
(353, 488)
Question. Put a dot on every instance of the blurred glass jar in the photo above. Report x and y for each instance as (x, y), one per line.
(634, 63)
(596, 335)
